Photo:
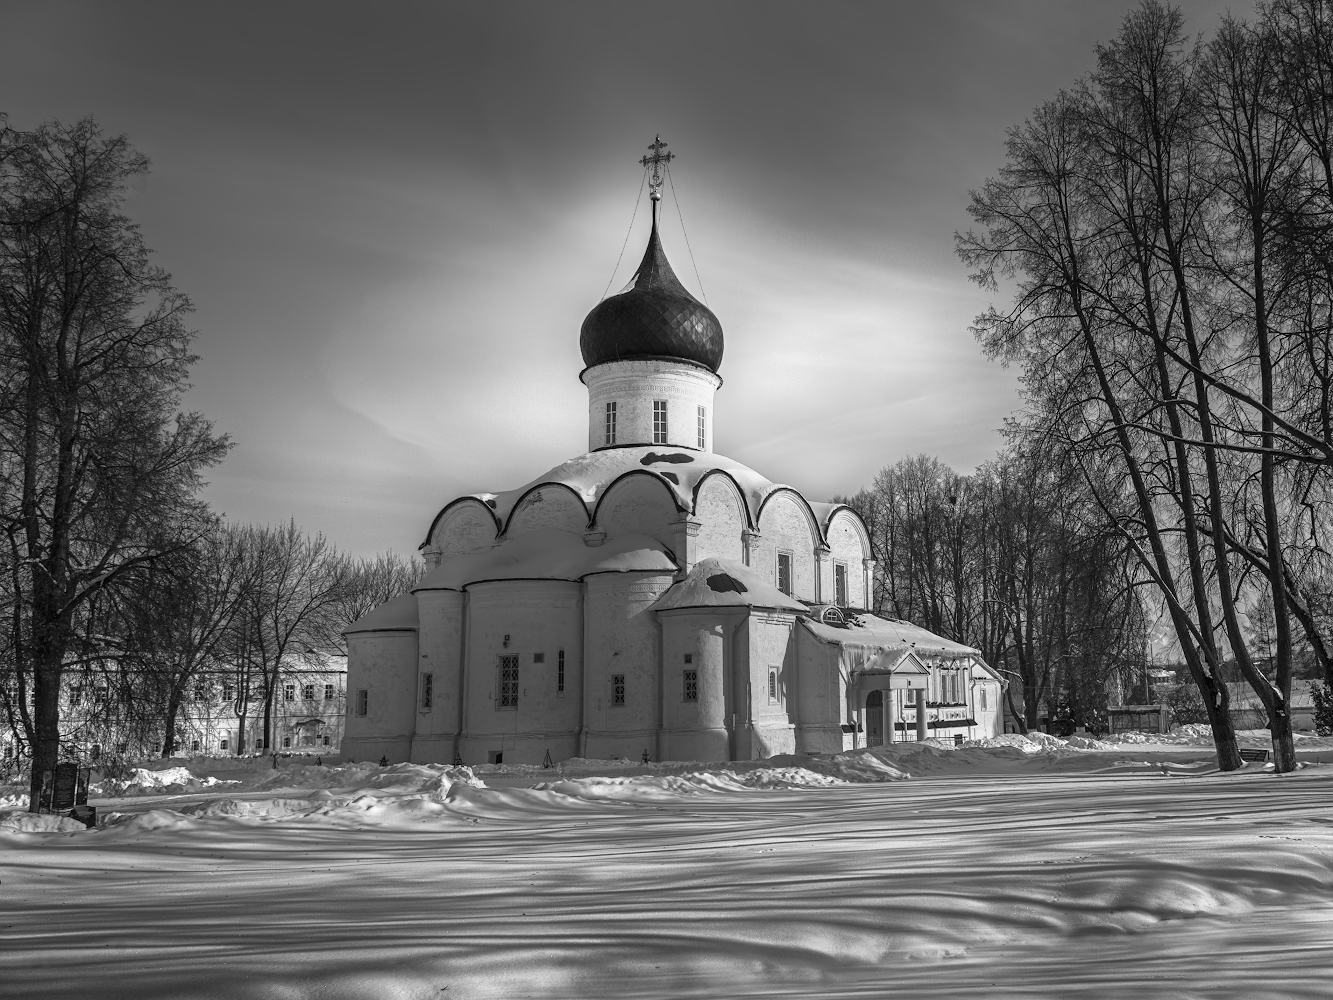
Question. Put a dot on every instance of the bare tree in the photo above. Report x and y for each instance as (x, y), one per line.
(101, 467)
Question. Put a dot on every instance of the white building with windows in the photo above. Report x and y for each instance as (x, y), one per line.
(649, 596)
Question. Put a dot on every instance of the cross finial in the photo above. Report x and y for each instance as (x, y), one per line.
(658, 159)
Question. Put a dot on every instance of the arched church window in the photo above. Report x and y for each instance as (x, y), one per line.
(784, 573)
(659, 421)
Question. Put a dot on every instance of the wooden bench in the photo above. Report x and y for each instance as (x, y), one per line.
(1254, 754)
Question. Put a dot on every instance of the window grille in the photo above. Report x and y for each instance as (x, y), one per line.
(772, 685)
(617, 689)
(784, 572)
(362, 701)
(308, 692)
(659, 421)
(289, 692)
(703, 428)
(691, 685)
(610, 423)
(538, 657)
(508, 682)
(560, 672)
(427, 683)
(689, 657)
(840, 584)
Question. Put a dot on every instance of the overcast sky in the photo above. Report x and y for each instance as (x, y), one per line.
(393, 217)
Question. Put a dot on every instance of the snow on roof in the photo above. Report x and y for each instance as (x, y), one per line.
(549, 554)
(717, 583)
(869, 631)
(679, 469)
(397, 614)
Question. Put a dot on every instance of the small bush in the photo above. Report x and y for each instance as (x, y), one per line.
(1323, 708)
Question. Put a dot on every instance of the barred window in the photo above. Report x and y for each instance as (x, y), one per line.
(610, 423)
(784, 572)
(427, 685)
(328, 692)
(840, 584)
(560, 672)
(659, 421)
(508, 682)
(703, 428)
(362, 701)
(691, 685)
(617, 689)
(772, 686)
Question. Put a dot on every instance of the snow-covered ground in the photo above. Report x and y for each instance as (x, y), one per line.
(1007, 868)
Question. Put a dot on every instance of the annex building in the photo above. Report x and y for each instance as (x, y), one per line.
(649, 596)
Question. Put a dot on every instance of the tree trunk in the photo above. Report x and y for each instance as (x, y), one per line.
(173, 710)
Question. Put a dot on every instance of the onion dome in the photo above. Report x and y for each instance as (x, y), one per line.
(656, 318)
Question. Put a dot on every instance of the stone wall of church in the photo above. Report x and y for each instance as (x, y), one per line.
(784, 526)
(720, 512)
(771, 681)
(700, 642)
(846, 547)
(527, 624)
(634, 385)
(638, 504)
(548, 507)
(439, 668)
(820, 696)
(622, 667)
(467, 527)
(381, 677)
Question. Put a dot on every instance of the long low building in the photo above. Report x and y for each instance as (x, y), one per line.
(649, 596)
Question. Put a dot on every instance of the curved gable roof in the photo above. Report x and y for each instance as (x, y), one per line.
(398, 614)
(719, 583)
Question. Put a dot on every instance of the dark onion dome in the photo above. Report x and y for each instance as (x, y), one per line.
(657, 318)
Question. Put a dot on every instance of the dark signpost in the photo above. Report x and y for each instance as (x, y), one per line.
(66, 789)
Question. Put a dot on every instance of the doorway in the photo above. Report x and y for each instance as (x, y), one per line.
(875, 719)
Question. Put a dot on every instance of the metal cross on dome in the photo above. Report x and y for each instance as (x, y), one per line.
(659, 159)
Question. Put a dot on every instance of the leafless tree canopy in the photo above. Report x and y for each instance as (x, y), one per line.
(1164, 229)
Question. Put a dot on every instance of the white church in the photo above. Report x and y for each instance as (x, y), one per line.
(649, 596)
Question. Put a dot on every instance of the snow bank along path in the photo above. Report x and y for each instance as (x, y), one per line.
(1130, 882)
